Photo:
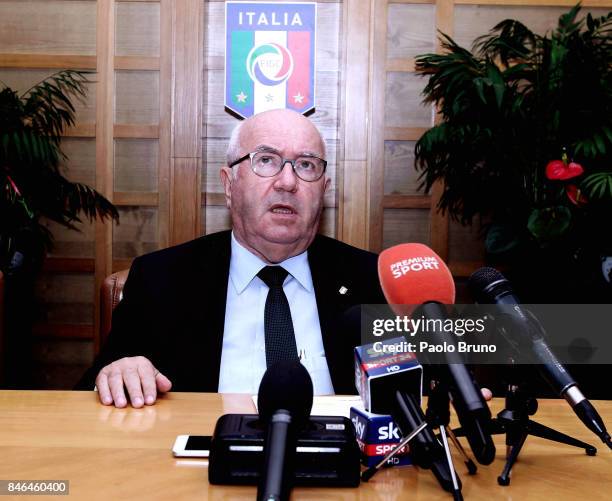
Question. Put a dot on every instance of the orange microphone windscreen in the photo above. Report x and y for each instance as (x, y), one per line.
(412, 274)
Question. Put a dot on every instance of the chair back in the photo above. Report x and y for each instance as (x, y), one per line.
(111, 293)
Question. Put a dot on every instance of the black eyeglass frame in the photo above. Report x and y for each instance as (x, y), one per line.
(283, 162)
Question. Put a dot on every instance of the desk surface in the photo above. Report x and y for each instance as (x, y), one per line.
(109, 453)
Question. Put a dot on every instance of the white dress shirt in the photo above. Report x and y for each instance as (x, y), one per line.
(243, 356)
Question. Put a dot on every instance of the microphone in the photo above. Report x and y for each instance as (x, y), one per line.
(413, 274)
(489, 286)
(284, 402)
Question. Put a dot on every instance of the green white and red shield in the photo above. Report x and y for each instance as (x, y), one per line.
(269, 56)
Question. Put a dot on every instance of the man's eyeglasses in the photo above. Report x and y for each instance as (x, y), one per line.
(269, 164)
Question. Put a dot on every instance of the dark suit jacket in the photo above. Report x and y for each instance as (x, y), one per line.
(173, 310)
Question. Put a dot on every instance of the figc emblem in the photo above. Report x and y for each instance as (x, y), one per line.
(269, 56)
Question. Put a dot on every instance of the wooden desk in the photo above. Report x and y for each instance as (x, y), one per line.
(112, 454)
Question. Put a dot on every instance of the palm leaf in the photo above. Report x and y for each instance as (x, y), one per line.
(598, 186)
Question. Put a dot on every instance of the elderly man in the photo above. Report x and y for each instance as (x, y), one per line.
(212, 314)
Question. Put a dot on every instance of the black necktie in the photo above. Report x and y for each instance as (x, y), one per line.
(278, 326)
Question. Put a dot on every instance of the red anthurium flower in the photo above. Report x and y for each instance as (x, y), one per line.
(575, 195)
(574, 170)
(559, 171)
(555, 169)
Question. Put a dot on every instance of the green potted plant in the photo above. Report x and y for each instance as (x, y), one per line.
(33, 186)
(524, 145)
(31, 180)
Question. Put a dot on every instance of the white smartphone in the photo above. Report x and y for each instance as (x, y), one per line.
(191, 446)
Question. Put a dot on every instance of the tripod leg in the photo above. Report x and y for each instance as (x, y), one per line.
(539, 430)
(471, 466)
(457, 496)
(504, 478)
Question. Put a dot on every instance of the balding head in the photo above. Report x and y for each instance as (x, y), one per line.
(234, 151)
(274, 217)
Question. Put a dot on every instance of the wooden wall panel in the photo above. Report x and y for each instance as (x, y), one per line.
(188, 65)
(136, 165)
(325, 116)
(137, 97)
(165, 122)
(410, 30)
(70, 243)
(399, 212)
(218, 123)
(401, 178)
(375, 170)
(137, 232)
(328, 222)
(137, 29)
(213, 158)
(403, 105)
(354, 189)
(472, 21)
(48, 27)
(185, 217)
(186, 147)
(105, 107)
(80, 164)
(356, 80)
(58, 61)
(214, 36)
(329, 47)
(401, 226)
(215, 218)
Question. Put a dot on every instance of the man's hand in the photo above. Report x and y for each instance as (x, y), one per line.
(487, 394)
(138, 375)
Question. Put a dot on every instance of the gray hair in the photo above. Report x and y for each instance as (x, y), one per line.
(233, 148)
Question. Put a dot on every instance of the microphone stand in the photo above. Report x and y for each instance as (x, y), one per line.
(514, 421)
(438, 416)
